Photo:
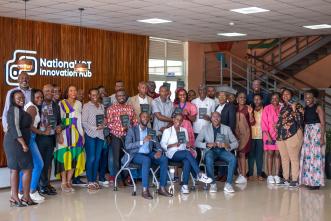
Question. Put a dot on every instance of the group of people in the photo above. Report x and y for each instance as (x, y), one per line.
(45, 125)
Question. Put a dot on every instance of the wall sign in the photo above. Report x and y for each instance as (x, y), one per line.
(43, 66)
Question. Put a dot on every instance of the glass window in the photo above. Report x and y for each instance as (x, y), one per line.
(166, 63)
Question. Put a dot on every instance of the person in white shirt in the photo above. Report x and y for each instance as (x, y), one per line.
(141, 99)
(203, 103)
(174, 141)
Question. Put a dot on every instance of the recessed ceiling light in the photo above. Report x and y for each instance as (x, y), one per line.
(249, 10)
(231, 34)
(154, 21)
(317, 26)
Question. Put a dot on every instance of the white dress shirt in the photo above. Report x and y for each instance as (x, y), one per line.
(206, 103)
(170, 137)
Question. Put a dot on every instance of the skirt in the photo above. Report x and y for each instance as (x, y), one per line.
(312, 162)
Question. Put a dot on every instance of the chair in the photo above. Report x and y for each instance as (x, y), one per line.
(217, 163)
(128, 166)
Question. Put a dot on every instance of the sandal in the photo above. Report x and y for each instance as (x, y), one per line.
(65, 188)
(70, 187)
(97, 185)
(91, 186)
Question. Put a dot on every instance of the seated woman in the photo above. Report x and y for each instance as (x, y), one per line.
(174, 141)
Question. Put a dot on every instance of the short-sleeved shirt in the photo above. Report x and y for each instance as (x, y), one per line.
(114, 123)
(165, 108)
(206, 103)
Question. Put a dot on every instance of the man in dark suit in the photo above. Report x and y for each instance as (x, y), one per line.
(145, 149)
(227, 111)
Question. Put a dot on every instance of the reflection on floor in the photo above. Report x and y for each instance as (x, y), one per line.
(256, 201)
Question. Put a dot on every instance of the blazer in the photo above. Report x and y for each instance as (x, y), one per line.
(134, 101)
(207, 136)
(228, 116)
(132, 142)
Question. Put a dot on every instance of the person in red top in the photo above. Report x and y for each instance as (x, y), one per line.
(118, 127)
(151, 90)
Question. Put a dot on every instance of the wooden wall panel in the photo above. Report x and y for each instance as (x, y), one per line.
(114, 56)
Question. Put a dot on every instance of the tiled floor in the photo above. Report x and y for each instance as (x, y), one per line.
(255, 202)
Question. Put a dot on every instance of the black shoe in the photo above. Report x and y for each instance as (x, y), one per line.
(313, 187)
(283, 183)
(29, 203)
(47, 191)
(146, 194)
(78, 182)
(51, 188)
(163, 192)
(14, 203)
(294, 184)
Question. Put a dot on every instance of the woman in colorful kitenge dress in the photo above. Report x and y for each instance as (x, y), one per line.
(312, 161)
(69, 155)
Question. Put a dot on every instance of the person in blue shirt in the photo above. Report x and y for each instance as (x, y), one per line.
(145, 149)
(256, 86)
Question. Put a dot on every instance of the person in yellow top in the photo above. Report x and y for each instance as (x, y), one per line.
(256, 151)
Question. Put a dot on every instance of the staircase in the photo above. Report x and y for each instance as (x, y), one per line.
(224, 68)
(291, 55)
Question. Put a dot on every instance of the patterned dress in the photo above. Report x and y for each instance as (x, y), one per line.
(69, 153)
(312, 161)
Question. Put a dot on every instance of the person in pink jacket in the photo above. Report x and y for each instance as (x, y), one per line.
(269, 120)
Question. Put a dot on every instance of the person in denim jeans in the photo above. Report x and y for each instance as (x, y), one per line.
(94, 136)
(38, 163)
(217, 140)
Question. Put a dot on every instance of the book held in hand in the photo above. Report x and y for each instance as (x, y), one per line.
(202, 112)
(220, 138)
(99, 119)
(106, 101)
(125, 120)
(167, 85)
(144, 108)
(177, 111)
(180, 84)
(52, 121)
(181, 137)
(152, 133)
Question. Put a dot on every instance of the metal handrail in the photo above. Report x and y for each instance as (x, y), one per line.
(295, 45)
(288, 76)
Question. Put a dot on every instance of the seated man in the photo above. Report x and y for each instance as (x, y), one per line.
(144, 149)
(217, 140)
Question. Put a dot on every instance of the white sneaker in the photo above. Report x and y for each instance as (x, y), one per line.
(241, 179)
(36, 197)
(184, 189)
(277, 179)
(203, 178)
(104, 183)
(228, 188)
(213, 188)
(20, 195)
(271, 180)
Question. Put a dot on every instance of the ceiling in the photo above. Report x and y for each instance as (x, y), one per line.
(193, 20)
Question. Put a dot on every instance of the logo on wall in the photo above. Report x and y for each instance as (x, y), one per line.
(43, 67)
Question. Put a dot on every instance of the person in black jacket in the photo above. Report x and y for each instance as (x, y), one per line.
(227, 111)
(50, 116)
(18, 154)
